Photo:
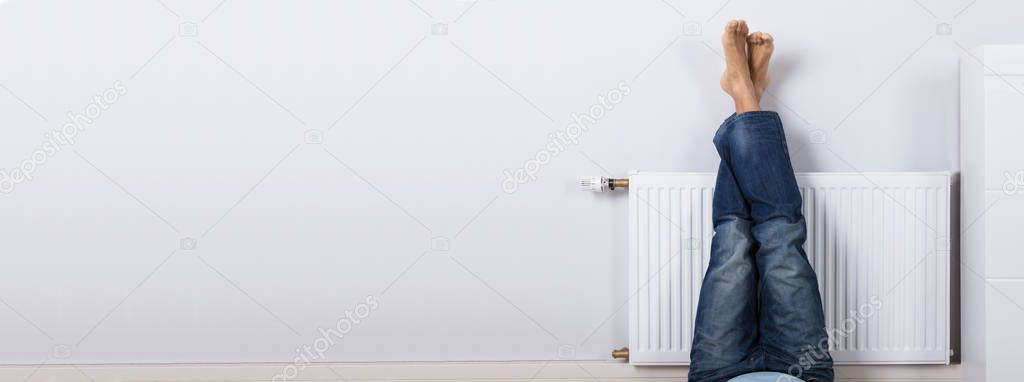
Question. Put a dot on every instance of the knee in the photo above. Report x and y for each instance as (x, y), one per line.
(781, 228)
(731, 258)
(788, 273)
(782, 247)
(732, 137)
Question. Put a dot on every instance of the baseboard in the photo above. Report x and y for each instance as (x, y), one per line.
(538, 371)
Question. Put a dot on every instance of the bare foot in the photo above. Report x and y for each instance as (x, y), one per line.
(736, 81)
(760, 46)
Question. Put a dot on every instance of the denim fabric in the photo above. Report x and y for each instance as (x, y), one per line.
(760, 308)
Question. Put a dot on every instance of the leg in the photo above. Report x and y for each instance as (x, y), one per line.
(756, 167)
(792, 327)
(792, 324)
(737, 81)
(726, 330)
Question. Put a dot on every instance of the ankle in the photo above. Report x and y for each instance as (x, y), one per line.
(745, 104)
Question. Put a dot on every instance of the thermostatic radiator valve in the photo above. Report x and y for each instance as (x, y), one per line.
(601, 184)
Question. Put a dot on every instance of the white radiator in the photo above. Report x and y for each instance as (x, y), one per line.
(879, 243)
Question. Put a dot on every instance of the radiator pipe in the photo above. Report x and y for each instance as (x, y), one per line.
(618, 183)
(621, 353)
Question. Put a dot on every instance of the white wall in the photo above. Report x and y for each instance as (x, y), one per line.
(207, 142)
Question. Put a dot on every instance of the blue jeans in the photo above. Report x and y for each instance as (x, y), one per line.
(760, 308)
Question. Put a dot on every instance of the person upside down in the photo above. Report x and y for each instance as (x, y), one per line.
(760, 308)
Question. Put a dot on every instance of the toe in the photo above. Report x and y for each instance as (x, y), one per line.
(742, 27)
(732, 25)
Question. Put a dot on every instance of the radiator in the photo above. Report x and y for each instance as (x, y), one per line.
(879, 243)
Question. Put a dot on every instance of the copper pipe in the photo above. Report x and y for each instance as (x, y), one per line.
(618, 183)
(621, 353)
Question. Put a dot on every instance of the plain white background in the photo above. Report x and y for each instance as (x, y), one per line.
(403, 200)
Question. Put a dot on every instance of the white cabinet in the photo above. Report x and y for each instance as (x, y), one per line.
(1003, 332)
(1004, 135)
(992, 212)
(1004, 235)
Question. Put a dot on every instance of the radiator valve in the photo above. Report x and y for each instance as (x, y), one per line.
(601, 184)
